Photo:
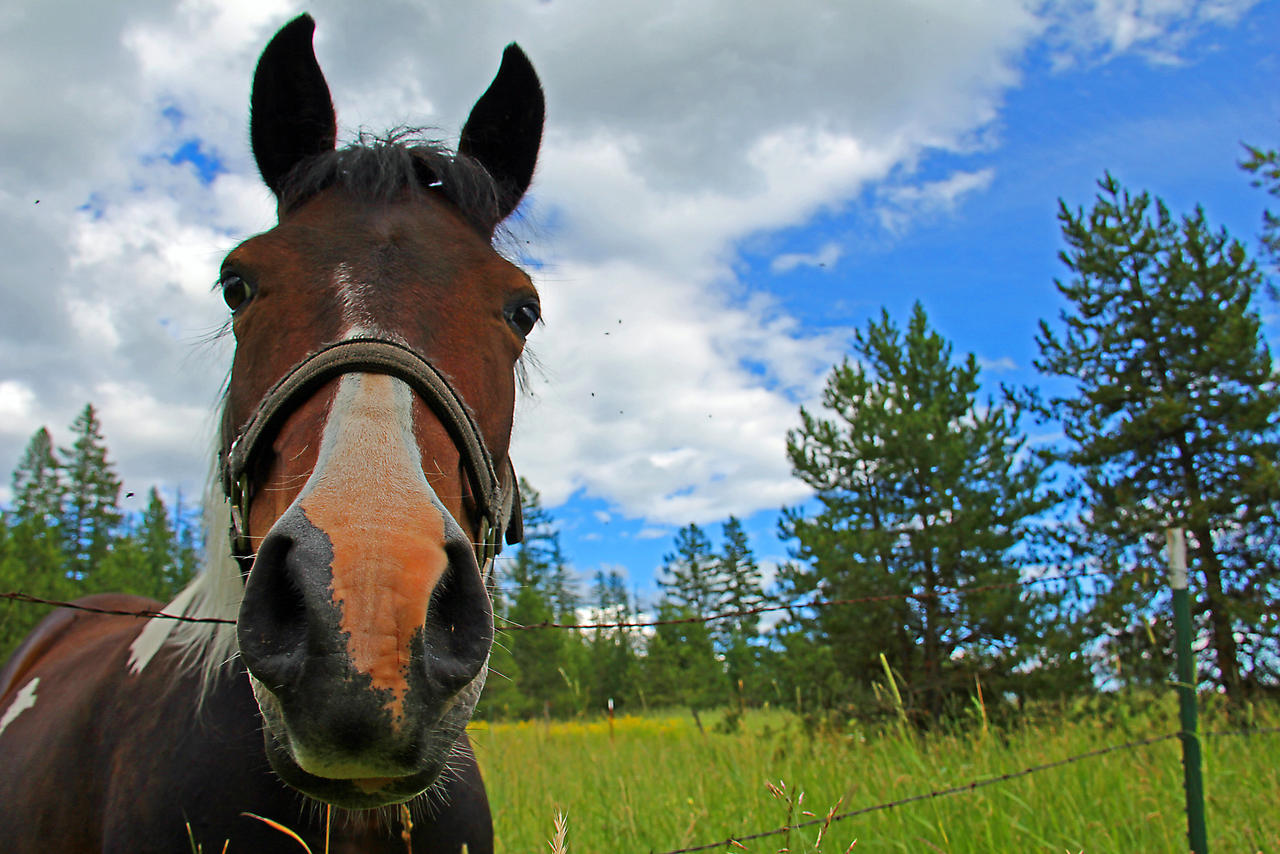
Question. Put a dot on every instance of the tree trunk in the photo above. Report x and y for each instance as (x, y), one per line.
(1222, 637)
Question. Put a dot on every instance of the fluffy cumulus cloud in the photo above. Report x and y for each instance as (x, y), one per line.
(675, 132)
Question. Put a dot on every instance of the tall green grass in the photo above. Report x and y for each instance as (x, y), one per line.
(659, 783)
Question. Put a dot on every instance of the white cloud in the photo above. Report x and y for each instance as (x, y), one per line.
(17, 402)
(674, 134)
(149, 437)
(92, 322)
(1097, 30)
(825, 258)
(1000, 365)
(658, 413)
(906, 203)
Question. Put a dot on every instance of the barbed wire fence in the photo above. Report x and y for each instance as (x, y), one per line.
(971, 786)
(959, 789)
(792, 608)
(144, 613)
(510, 626)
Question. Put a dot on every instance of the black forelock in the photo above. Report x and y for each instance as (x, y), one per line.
(383, 168)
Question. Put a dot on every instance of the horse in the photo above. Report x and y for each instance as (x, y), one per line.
(331, 652)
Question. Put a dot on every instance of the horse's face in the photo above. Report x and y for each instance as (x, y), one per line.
(366, 624)
(409, 271)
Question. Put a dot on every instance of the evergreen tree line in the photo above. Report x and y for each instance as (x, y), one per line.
(1165, 402)
(66, 534)
(563, 672)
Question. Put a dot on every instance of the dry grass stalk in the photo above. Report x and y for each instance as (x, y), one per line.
(280, 827)
(822, 831)
(406, 828)
(559, 843)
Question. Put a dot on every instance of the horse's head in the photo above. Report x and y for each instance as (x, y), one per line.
(366, 426)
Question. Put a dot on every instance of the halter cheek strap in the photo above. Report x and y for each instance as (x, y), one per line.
(499, 509)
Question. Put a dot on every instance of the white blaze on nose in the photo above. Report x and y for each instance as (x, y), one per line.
(369, 496)
(25, 699)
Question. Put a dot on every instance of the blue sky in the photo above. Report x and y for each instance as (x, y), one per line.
(726, 191)
(985, 269)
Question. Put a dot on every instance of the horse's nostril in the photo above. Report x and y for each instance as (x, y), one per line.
(459, 622)
(290, 626)
(272, 628)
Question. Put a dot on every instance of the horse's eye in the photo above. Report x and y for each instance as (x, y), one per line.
(236, 291)
(524, 317)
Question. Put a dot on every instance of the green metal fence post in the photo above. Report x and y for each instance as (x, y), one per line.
(1193, 783)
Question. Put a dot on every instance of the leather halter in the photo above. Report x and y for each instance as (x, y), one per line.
(499, 510)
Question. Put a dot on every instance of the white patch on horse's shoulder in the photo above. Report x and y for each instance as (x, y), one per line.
(156, 632)
(25, 699)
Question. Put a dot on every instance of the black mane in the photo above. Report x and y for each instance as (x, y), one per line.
(384, 168)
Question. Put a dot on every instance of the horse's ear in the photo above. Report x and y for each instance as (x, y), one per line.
(504, 129)
(291, 113)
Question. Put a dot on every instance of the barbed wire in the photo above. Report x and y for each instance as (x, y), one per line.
(938, 793)
(17, 596)
(142, 614)
(800, 606)
(972, 785)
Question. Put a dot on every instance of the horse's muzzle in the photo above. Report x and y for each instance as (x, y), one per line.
(362, 698)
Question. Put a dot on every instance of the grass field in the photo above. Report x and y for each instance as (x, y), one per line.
(660, 784)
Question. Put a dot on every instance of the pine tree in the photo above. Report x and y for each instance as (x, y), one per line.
(540, 561)
(680, 667)
(37, 482)
(159, 543)
(738, 587)
(91, 512)
(920, 490)
(561, 587)
(1172, 420)
(1265, 167)
(538, 589)
(148, 560)
(682, 662)
(688, 574)
(187, 533)
(540, 549)
(536, 653)
(32, 559)
(611, 660)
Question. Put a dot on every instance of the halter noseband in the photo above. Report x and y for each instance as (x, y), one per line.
(498, 511)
